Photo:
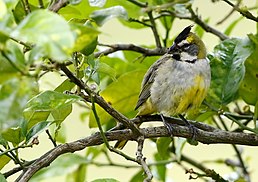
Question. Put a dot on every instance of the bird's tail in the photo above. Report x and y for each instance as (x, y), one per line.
(121, 143)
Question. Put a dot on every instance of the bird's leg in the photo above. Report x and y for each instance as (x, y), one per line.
(190, 126)
(167, 125)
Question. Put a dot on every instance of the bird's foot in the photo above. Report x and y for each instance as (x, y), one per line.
(191, 127)
(167, 125)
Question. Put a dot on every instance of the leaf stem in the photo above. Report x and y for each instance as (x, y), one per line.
(51, 138)
(154, 29)
(112, 149)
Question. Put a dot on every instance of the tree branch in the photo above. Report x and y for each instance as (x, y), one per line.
(211, 136)
(154, 29)
(205, 26)
(242, 11)
(195, 18)
(130, 47)
(99, 100)
(57, 5)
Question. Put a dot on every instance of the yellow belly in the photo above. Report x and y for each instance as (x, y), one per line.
(192, 97)
(181, 102)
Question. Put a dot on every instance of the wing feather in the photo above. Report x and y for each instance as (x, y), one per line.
(149, 79)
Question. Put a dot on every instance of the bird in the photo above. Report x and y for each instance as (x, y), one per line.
(177, 83)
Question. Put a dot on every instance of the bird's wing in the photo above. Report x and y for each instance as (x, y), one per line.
(149, 79)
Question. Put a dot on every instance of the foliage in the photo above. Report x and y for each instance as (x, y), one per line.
(41, 37)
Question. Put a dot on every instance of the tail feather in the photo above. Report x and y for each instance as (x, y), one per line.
(120, 144)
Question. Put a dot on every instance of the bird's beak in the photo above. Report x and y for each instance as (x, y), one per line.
(173, 48)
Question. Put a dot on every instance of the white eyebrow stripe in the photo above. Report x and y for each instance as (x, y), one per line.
(182, 43)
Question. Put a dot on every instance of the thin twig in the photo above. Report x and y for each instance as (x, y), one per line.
(138, 3)
(57, 5)
(205, 26)
(142, 160)
(17, 169)
(230, 13)
(242, 11)
(15, 148)
(26, 6)
(195, 18)
(112, 149)
(242, 164)
(51, 138)
(154, 30)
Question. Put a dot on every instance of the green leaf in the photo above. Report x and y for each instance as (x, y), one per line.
(41, 106)
(3, 38)
(160, 170)
(14, 95)
(105, 180)
(78, 175)
(19, 13)
(106, 70)
(163, 146)
(60, 133)
(66, 85)
(3, 141)
(139, 176)
(232, 25)
(3, 9)
(49, 31)
(10, 4)
(122, 95)
(16, 56)
(61, 113)
(89, 49)
(86, 38)
(13, 135)
(36, 129)
(227, 69)
(102, 16)
(7, 71)
(180, 143)
(2, 178)
(65, 164)
(4, 160)
(93, 152)
(249, 87)
(97, 3)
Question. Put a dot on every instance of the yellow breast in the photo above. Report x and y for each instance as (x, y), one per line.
(193, 96)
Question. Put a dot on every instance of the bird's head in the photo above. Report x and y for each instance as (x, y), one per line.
(188, 47)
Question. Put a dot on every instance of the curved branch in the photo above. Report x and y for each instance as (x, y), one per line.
(130, 47)
(212, 136)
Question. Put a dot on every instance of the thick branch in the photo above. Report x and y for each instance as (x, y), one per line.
(99, 100)
(212, 136)
(130, 47)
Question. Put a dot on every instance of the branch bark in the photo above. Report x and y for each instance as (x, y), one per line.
(130, 47)
(57, 5)
(205, 134)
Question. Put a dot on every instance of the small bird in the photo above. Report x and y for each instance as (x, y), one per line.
(177, 82)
